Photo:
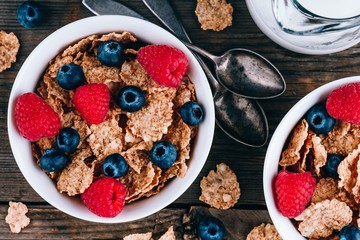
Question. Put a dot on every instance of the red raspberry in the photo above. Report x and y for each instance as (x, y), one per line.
(166, 65)
(344, 103)
(92, 102)
(35, 118)
(293, 192)
(105, 197)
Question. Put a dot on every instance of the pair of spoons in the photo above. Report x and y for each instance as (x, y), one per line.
(242, 77)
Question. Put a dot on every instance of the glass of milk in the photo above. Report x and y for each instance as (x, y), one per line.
(313, 17)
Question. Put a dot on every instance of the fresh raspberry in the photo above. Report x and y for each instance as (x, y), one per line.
(105, 197)
(166, 65)
(344, 103)
(35, 118)
(293, 192)
(92, 102)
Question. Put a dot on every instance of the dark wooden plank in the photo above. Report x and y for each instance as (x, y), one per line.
(49, 223)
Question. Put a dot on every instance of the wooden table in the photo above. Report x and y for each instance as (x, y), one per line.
(302, 74)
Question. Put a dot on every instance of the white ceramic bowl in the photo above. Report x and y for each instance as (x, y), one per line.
(273, 154)
(32, 71)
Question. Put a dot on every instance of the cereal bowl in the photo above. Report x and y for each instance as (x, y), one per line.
(32, 71)
(271, 165)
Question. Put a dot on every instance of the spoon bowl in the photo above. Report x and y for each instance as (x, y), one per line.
(246, 73)
(242, 119)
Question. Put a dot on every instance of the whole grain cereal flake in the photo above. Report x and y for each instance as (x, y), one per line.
(322, 218)
(9, 47)
(214, 14)
(16, 217)
(264, 232)
(139, 236)
(220, 189)
(168, 235)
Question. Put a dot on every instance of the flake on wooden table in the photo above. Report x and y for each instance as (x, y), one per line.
(220, 189)
(322, 218)
(139, 236)
(264, 232)
(214, 14)
(292, 154)
(168, 235)
(9, 47)
(16, 217)
(326, 188)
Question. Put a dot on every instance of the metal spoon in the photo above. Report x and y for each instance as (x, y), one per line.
(246, 73)
(240, 118)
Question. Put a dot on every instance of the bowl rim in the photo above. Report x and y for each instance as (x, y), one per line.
(273, 153)
(70, 34)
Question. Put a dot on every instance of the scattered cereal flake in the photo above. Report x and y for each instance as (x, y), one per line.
(9, 47)
(291, 155)
(137, 156)
(105, 138)
(149, 126)
(81, 46)
(320, 154)
(264, 232)
(16, 217)
(214, 14)
(322, 218)
(345, 170)
(344, 138)
(95, 72)
(139, 236)
(220, 189)
(77, 176)
(326, 188)
(169, 235)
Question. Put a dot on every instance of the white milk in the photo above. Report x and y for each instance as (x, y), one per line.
(332, 8)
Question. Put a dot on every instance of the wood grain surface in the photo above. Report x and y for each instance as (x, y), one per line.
(302, 73)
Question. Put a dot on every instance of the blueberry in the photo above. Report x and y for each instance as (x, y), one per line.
(111, 53)
(70, 76)
(320, 122)
(131, 99)
(53, 160)
(349, 233)
(67, 140)
(211, 228)
(163, 154)
(29, 14)
(192, 113)
(115, 166)
(331, 166)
